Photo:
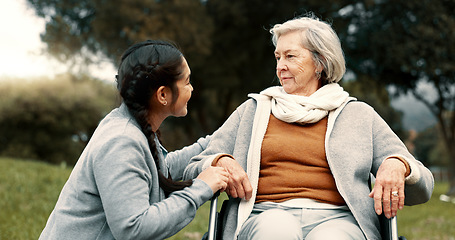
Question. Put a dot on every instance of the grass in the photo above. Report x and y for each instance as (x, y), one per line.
(434, 220)
(29, 190)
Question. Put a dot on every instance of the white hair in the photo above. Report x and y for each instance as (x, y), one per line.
(320, 39)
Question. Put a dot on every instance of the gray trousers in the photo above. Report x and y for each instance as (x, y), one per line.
(272, 221)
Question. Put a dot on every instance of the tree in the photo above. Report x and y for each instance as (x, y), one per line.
(80, 31)
(404, 43)
(51, 120)
(227, 43)
(430, 147)
(78, 28)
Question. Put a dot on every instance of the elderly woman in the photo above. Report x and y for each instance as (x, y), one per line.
(300, 155)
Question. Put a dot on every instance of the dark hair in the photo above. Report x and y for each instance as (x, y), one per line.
(145, 67)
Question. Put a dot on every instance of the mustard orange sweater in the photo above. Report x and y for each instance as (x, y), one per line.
(294, 164)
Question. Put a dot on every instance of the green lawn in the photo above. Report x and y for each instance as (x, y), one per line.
(29, 189)
(434, 220)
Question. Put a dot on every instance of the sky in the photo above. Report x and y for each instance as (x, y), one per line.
(22, 54)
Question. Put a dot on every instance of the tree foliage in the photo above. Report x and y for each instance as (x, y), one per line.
(430, 147)
(227, 44)
(51, 120)
(404, 43)
(110, 26)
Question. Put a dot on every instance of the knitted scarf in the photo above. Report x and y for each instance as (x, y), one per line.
(292, 108)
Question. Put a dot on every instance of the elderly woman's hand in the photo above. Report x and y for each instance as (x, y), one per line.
(388, 191)
(239, 185)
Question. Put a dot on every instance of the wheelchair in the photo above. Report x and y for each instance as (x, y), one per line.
(389, 227)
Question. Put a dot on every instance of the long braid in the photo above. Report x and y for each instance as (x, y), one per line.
(143, 70)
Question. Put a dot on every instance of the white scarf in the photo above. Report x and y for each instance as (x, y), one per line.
(292, 108)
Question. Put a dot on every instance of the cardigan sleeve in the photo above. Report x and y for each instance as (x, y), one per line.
(127, 180)
(176, 161)
(420, 183)
(221, 143)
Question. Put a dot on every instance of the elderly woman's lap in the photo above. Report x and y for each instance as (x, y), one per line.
(271, 224)
(272, 221)
(344, 228)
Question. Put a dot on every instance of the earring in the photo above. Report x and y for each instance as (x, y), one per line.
(165, 103)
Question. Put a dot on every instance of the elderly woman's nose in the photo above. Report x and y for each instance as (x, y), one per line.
(280, 65)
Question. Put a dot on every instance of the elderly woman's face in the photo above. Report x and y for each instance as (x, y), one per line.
(294, 65)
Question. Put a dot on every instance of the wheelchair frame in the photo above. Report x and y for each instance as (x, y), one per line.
(389, 227)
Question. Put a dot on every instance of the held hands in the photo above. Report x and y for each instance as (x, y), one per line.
(239, 185)
(216, 177)
(388, 191)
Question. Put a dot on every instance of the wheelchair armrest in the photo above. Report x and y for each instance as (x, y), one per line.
(213, 219)
(217, 219)
(389, 227)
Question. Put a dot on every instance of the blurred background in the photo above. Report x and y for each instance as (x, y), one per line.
(58, 64)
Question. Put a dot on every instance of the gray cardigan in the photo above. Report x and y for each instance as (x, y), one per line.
(113, 191)
(357, 141)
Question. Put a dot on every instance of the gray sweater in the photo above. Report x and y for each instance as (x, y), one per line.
(357, 141)
(113, 191)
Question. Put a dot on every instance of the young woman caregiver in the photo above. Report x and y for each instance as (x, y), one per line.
(125, 185)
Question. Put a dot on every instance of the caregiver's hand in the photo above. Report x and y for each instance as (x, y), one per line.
(216, 177)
